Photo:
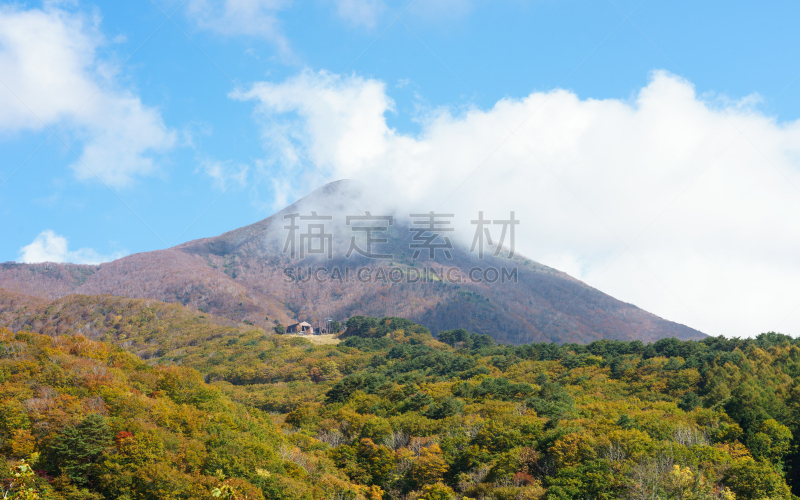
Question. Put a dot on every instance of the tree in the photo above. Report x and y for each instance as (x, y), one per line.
(456, 338)
(377, 460)
(553, 402)
(22, 443)
(447, 407)
(430, 467)
(771, 442)
(751, 479)
(78, 450)
(593, 479)
(461, 338)
(279, 329)
(21, 485)
(302, 416)
(689, 401)
(481, 340)
(437, 491)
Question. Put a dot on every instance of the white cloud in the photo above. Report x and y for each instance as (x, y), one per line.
(289, 171)
(659, 201)
(262, 18)
(51, 247)
(441, 9)
(367, 12)
(360, 12)
(49, 64)
(242, 17)
(225, 174)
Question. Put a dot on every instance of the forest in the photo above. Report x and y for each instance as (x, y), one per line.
(105, 398)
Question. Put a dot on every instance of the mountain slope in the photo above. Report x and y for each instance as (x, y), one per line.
(242, 275)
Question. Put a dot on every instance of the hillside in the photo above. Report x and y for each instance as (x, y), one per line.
(219, 408)
(241, 275)
(95, 422)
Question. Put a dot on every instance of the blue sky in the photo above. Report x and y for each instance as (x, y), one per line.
(167, 111)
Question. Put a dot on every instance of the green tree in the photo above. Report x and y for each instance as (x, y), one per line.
(447, 407)
(377, 460)
(755, 480)
(78, 450)
(771, 442)
(456, 338)
(689, 401)
(593, 479)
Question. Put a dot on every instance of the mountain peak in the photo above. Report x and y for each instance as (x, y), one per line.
(247, 275)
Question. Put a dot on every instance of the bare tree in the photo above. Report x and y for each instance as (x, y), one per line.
(615, 453)
(397, 440)
(332, 437)
(647, 478)
(689, 436)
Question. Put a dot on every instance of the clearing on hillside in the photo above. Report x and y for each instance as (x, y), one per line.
(328, 339)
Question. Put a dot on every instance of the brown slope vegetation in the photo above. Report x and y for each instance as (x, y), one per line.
(241, 275)
(146, 327)
(47, 280)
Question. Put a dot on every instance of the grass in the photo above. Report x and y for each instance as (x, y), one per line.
(328, 339)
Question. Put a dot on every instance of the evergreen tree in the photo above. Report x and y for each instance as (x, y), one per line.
(78, 450)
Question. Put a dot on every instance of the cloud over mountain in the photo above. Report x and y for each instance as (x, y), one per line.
(654, 200)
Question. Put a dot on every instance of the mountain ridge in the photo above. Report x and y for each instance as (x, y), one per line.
(242, 275)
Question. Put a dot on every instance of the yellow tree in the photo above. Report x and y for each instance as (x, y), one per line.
(430, 467)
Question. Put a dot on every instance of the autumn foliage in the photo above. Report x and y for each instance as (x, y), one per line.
(174, 405)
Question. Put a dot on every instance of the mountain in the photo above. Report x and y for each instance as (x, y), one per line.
(245, 275)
